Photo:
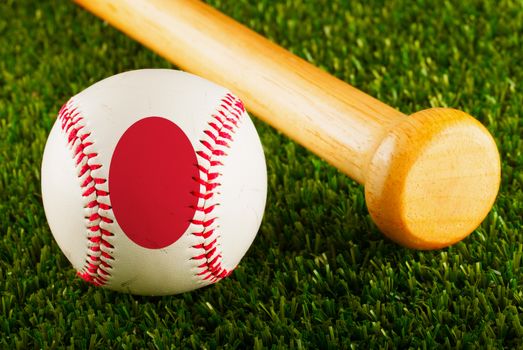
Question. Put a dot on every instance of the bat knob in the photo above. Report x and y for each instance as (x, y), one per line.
(433, 178)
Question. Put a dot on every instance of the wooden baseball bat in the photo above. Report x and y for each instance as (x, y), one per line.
(430, 178)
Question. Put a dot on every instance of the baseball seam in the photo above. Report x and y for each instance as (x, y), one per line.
(95, 195)
(218, 136)
(98, 210)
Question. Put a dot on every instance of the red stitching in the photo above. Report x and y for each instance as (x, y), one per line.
(204, 196)
(98, 260)
(204, 234)
(221, 128)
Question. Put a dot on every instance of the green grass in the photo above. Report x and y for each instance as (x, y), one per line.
(319, 274)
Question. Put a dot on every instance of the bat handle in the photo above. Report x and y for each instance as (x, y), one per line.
(430, 179)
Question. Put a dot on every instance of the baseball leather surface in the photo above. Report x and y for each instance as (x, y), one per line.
(154, 182)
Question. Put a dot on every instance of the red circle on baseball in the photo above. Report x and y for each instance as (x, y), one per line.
(151, 178)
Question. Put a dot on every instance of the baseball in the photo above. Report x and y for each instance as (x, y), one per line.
(154, 182)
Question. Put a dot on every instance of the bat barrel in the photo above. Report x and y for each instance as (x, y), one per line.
(430, 178)
(336, 121)
(433, 179)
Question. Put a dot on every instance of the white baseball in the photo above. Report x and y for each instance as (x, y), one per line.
(154, 182)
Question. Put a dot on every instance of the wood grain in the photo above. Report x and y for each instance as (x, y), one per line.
(430, 179)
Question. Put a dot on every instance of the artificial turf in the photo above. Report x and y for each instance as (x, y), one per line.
(319, 274)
